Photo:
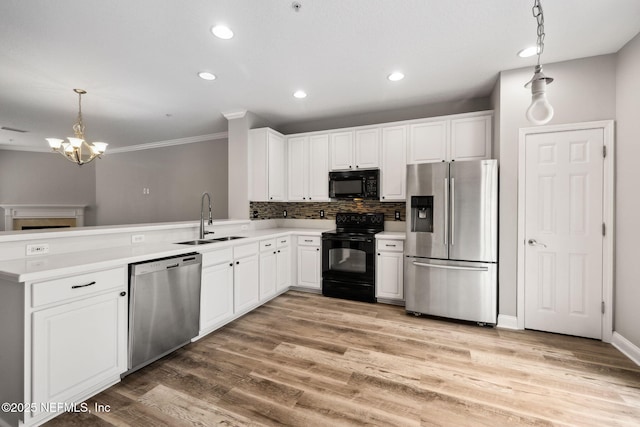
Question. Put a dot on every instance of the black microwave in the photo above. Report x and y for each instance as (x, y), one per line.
(360, 184)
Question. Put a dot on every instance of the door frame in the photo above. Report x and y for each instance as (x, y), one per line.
(608, 217)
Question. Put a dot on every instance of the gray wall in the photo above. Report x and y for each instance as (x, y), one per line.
(42, 178)
(627, 267)
(417, 112)
(583, 90)
(176, 177)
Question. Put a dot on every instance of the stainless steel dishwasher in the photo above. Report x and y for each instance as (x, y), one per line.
(164, 307)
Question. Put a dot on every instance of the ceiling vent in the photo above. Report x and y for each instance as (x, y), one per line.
(13, 129)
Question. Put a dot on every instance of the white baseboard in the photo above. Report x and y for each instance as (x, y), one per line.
(507, 322)
(627, 348)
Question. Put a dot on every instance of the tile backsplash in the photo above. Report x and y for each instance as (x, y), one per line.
(311, 210)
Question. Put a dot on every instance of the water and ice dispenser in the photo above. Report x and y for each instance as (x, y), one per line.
(422, 214)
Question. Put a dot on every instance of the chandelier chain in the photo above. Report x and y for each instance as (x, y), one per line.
(539, 15)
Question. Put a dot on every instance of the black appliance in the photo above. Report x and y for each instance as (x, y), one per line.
(348, 256)
(360, 184)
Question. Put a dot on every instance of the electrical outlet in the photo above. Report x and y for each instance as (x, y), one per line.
(322, 213)
(137, 238)
(255, 214)
(397, 215)
(38, 249)
(284, 213)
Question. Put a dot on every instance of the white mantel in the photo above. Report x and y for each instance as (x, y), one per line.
(12, 212)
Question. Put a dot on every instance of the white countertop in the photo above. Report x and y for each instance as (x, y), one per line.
(48, 266)
(395, 235)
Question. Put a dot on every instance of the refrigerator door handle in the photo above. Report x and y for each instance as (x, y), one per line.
(453, 210)
(450, 267)
(446, 210)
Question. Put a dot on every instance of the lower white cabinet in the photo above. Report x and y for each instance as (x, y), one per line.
(268, 269)
(246, 277)
(309, 262)
(390, 269)
(216, 298)
(283, 276)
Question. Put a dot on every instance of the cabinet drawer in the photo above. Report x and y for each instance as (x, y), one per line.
(77, 286)
(266, 245)
(217, 257)
(245, 250)
(390, 245)
(281, 242)
(308, 240)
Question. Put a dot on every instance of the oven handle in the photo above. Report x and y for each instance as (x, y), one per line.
(450, 267)
(348, 239)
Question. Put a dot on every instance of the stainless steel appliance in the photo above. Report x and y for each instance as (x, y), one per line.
(358, 184)
(452, 240)
(164, 307)
(348, 256)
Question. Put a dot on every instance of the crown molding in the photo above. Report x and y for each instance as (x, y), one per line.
(234, 114)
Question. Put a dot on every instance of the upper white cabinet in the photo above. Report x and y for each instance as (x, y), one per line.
(267, 165)
(394, 164)
(308, 168)
(463, 138)
(471, 138)
(355, 150)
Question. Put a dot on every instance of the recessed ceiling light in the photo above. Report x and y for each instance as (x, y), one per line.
(395, 76)
(300, 94)
(222, 32)
(206, 75)
(528, 51)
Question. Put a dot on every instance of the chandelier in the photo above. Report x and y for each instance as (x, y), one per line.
(73, 150)
(540, 111)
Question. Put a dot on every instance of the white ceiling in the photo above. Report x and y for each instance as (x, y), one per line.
(138, 60)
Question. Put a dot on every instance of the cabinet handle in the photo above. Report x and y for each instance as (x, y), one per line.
(349, 166)
(308, 241)
(383, 197)
(317, 249)
(390, 246)
(278, 251)
(270, 198)
(274, 252)
(304, 198)
(267, 245)
(378, 253)
(230, 264)
(237, 262)
(123, 293)
(357, 167)
(82, 286)
(309, 198)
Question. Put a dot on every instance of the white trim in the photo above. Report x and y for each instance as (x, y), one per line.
(234, 114)
(138, 147)
(507, 322)
(608, 215)
(626, 347)
(168, 143)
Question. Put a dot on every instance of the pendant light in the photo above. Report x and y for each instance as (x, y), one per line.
(540, 111)
(73, 150)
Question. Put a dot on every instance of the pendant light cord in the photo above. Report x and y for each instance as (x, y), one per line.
(539, 15)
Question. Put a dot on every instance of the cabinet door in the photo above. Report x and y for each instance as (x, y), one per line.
(298, 168)
(258, 165)
(77, 346)
(389, 275)
(394, 163)
(367, 149)
(342, 150)
(471, 138)
(268, 271)
(309, 267)
(428, 142)
(318, 167)
(277, 167)
(284, 269)
(216, 299)
(245, 281)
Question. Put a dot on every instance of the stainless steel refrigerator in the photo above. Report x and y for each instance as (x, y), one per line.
(450, 267)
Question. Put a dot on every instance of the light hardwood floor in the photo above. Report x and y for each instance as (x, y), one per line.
(306, 360)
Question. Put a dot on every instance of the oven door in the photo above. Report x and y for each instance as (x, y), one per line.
(348, 259)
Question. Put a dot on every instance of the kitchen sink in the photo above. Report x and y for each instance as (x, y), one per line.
(207, 241)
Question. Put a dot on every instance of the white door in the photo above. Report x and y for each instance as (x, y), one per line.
(284, 269)
(563, 231)
(298, 168)
(246, 293)
(318, 165)
(268, 273)
(309, 267)
(342, 150)
(367, 148)
(394, 163)
(216, 297)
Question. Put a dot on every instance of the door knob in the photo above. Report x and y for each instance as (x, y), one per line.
(533, 242)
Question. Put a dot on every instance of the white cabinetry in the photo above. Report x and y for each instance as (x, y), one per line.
(361, 152)
(79, 336)
(390, 269)
(246, 275)
(467, 137)
(283, 276)
(268, 269)
(216, 299)
(394, 163)
(309, 262)
(308, 168)
(267, 165)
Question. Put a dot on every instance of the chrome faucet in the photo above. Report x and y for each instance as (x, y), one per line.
(202, 232)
